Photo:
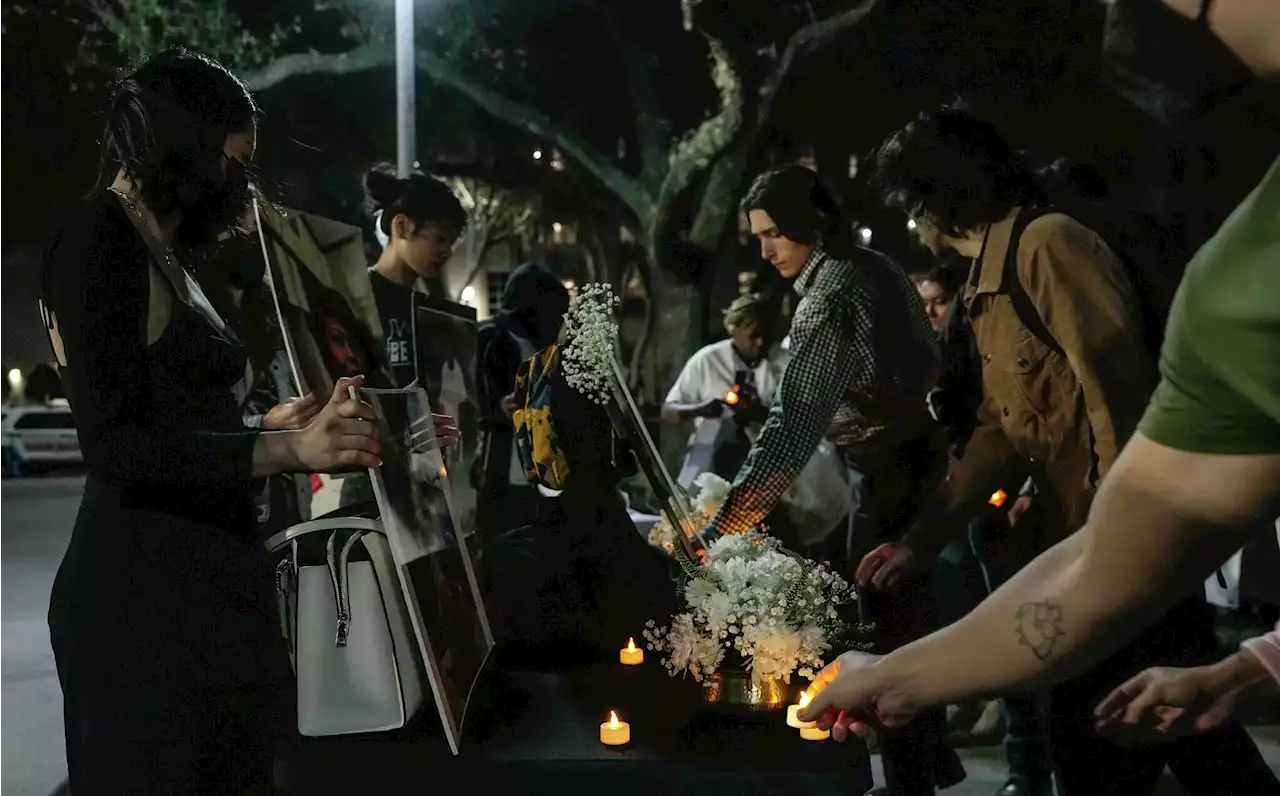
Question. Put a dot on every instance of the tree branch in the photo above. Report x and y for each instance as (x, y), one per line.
(376, 54)
(363, 58)
(696, 151)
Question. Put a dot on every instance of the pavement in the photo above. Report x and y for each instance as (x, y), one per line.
(36, 515)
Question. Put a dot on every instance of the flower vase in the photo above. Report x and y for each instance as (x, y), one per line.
(733, 688)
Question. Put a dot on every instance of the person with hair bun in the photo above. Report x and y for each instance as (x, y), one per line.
(162, 617)
(420, 219)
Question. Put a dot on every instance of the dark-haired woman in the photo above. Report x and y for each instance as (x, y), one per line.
(419, 218)
(161, 618)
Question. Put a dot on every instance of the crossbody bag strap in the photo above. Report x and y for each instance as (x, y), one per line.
(1023, 306)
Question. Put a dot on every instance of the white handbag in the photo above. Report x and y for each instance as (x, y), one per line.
(344, 617)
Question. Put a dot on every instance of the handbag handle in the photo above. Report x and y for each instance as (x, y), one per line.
(338, 575)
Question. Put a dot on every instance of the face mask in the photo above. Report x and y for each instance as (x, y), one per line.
(212, 204)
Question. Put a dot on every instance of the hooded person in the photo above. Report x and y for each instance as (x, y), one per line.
(534, 302)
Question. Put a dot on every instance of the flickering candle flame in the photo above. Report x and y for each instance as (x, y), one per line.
(731, 397)
(631, 655)
(615, 732)
(998, 498)
(793, 713)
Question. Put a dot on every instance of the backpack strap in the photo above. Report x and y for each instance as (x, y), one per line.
(1023, 306)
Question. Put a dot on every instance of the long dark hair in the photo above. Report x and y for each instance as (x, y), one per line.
(420, 197)
(166, 127)
(802, 208)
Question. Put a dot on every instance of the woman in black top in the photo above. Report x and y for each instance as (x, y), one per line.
(161, 619)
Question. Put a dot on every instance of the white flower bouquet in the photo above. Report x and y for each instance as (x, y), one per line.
(775, 609)
(590, 334)
(712, 490)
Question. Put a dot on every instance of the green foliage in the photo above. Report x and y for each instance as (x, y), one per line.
(211, 28)
(127, 32)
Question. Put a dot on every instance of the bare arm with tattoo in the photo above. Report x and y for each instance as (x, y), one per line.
(1162, 520)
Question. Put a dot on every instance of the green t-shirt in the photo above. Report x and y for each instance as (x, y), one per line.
(1220, 367)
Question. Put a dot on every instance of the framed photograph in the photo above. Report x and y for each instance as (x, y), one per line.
(318, 275)
(445, 336)
(329, 324)
(413, 495)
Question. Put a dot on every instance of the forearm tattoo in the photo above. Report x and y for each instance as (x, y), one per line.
(1040, 627)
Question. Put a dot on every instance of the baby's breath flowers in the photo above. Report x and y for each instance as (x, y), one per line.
(778, 611)
(590, 332)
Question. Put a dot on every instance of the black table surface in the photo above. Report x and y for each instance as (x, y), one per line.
(536, 732)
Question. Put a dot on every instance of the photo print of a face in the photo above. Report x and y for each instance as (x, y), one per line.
(445, 334)
(317, 271)
(412, 489)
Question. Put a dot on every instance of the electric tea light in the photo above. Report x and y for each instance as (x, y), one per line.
(614, 732)
(631, 655)
(793, 719)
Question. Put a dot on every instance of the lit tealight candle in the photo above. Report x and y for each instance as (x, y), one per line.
(793, 719)
(631, 654)
(814, 734)
(731, 397)
(614, 732)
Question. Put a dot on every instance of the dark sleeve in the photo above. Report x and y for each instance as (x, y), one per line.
(96, 284)
(497, 366)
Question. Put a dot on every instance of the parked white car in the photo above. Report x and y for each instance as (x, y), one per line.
(39, 435)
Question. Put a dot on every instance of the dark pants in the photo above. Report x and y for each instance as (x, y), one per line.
(1026, 740)
(1221, 762)
(890, 485)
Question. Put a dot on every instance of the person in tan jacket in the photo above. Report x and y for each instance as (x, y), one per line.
(1066, 375)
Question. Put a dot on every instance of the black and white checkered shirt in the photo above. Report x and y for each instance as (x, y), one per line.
(863, 358)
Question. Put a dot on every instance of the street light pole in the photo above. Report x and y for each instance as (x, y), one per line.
(406, 68)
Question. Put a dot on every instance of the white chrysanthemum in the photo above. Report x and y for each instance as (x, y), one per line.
(775, 609)
(712, 490)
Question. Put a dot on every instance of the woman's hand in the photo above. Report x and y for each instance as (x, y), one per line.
(446, 428)
(1164, 703)
(343, 436)
(294, 413)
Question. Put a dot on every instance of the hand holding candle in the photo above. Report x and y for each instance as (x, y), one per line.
(614, 732)
(631, 655)
(793, 720)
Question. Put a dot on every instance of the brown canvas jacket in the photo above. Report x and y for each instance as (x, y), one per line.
(1062, 418)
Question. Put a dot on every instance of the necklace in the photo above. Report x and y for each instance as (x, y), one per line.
(186, 288)
(151, 232)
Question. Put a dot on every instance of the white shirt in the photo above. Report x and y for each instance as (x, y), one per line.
(709, 373)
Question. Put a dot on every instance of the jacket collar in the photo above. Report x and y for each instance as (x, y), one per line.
(991, 266)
